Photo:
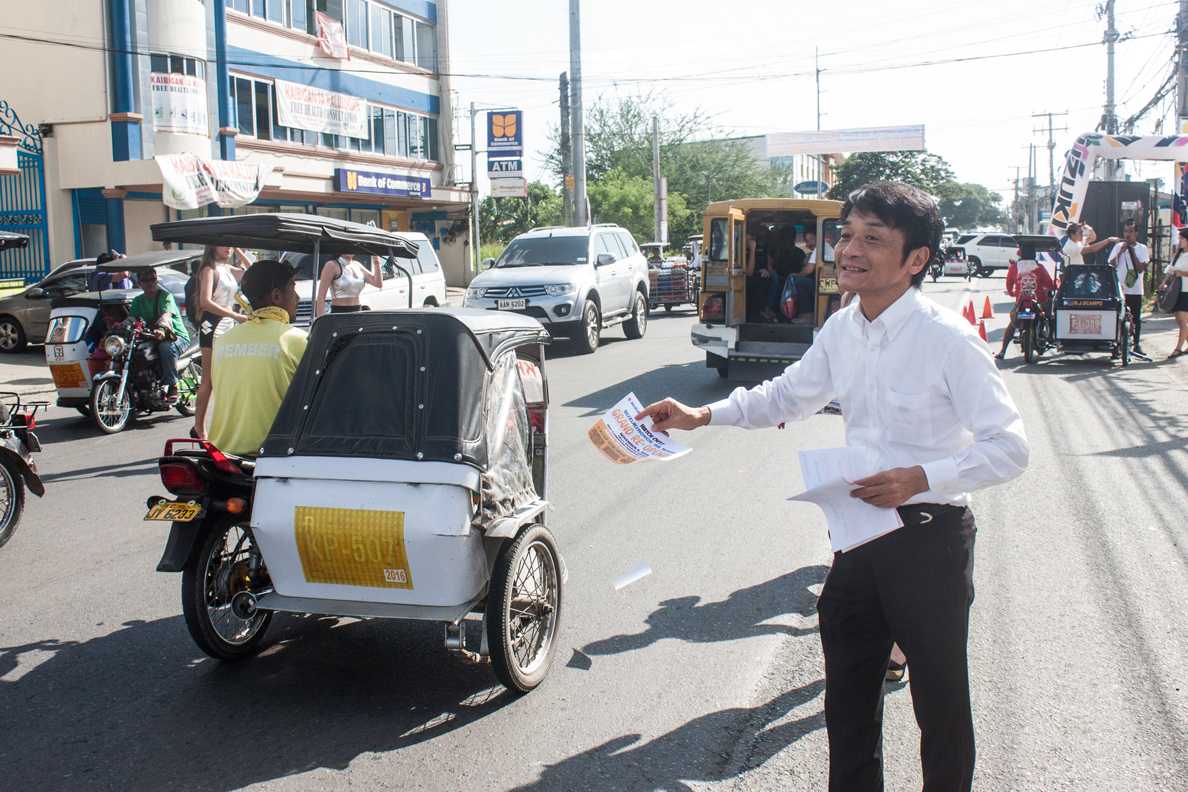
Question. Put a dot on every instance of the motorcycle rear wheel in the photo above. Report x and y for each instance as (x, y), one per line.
(12, 501)
(1026, 341)
(210, 583)
(187, 388)
(107, 415)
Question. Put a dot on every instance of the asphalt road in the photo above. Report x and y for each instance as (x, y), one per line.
(704, 675)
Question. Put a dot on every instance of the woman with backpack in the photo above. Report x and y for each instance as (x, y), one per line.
(216, 281)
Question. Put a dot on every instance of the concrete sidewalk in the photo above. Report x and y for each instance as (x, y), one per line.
(26, 373)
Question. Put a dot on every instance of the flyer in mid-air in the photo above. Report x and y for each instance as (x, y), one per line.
(624, 440)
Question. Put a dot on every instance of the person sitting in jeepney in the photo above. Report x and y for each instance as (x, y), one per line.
(1026, 278)
(253, 363)
(159, 311)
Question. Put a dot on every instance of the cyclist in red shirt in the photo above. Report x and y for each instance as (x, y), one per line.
(1026, 278)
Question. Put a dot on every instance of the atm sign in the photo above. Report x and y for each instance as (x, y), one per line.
(505, 168)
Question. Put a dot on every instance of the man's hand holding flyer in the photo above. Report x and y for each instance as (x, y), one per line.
(623, 440)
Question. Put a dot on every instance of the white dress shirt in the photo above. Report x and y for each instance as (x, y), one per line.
(917, 386)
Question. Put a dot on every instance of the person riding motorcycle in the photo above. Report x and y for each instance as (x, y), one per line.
(159, 311)
(253, 363)
(1026, 278)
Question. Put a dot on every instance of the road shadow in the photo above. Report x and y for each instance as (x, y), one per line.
(121, 470)
(682, 754)
(741, 615)
(691, 383)
(142, 709)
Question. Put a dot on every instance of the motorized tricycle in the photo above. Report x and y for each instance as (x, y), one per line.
(1090, 313)
(404, 477)
(1035, 320)
(670, 280)
(17, 468)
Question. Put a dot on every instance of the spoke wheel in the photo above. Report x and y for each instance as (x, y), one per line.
(524, 609)
(1028, 344)
(229, 562)
(187, 388)
(109, 416)
(1125, 341)
(12, 501)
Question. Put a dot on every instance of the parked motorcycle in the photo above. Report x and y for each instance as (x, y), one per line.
(133, 386)
(1033, 326)
(17, 468)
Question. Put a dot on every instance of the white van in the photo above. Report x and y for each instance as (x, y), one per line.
(428, 282)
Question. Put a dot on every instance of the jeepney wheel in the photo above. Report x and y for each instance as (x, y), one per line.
(637, 325)
(524, 609)
(109, 416)
(12, 501)
(1028, 343)
(187, 388)
(230, 562)
(589, 330)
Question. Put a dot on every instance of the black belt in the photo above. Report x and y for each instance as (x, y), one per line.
(922, 513)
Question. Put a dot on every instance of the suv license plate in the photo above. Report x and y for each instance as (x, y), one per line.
(511, 305)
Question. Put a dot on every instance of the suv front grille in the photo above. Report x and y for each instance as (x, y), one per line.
(494, 292)
(304, 313)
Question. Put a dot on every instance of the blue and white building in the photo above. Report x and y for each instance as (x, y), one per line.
(95, 89)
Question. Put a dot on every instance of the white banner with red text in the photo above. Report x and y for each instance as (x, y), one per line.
(318, 110)
(189, 181)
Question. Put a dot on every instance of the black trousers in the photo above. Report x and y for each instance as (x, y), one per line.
(1134, 304)
(914, 587)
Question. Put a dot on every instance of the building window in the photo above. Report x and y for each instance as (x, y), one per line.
(295, 14)
(161, 63)
(375, 27)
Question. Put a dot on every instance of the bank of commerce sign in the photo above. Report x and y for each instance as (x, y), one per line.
(316, 110)
(179, 104)
(189, 181)
(505, 133)
(356, 181)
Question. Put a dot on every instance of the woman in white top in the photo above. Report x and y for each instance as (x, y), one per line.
(1080, 242)
(345, 278)
(218, 280)
(1179, 268)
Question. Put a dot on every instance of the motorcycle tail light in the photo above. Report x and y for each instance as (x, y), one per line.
(713, 309)
(182, 479)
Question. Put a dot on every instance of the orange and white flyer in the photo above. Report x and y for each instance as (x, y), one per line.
(624, 440)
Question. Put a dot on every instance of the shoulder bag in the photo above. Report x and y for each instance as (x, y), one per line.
(1169, 295)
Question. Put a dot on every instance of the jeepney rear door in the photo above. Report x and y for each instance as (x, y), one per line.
(736, 298)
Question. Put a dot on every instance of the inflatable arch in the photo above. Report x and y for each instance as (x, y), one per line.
(1078, 168)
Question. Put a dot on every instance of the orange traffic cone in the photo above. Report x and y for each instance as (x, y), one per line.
(968, 313)
(987, 311)
(982, 331)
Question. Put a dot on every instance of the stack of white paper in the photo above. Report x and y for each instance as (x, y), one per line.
(828, 475)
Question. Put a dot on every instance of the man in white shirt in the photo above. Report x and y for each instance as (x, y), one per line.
(1080, 243)
(920, 393)
(1131, 256)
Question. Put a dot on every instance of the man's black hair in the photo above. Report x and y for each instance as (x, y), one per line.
(105, 257)
(906, 208)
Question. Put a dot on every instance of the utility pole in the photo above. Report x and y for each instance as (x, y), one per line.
(567, 153)
(1015, 201)
(1109, 119)
(474, 203)
(1052, 146)
(658, 218)
(1182, 75)
(581, 212)
(1032, 219)
(817, 69)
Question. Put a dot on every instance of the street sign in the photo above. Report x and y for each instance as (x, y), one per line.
(509, 188)
(505, 168)
(812, 188)
(505, 133)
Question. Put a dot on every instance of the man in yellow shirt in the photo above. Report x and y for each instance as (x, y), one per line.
(252, 364)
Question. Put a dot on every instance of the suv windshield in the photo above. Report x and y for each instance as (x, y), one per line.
(538, 251)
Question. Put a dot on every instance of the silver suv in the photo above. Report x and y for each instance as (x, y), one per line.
(574, 281)
(988, 252)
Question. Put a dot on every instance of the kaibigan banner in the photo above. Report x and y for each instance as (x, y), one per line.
(318, 110)
(189, 181)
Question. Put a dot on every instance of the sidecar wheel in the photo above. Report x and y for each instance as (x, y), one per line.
(12, 501)
(524, 609)
(223, 569)
(109, 416)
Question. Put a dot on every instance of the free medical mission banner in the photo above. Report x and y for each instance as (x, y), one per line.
(316, 110)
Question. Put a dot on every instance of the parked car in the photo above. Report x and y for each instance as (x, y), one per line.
(428, 281)
(24, 315)
(987, 252)
(574, 281)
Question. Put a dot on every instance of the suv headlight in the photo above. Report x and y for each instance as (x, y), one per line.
(475, 294)
(558, 289)
(114, 346)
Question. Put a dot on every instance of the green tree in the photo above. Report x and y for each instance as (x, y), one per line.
(973, 206)
(503, 219)
(927, 171)
(701, 165)
(628, 201)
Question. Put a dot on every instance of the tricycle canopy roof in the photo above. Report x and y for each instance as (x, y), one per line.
(293, 233)
(1043, 243)
(95, 299)
(398, 385)
(10, 240)
(139, 262)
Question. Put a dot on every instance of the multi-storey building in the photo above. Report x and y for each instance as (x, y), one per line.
(95, 89)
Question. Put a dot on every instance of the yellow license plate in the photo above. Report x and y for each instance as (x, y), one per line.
(353, 547)
(174, 512)
(69, 376)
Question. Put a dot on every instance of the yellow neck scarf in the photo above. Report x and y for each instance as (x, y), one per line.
(274, 312)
